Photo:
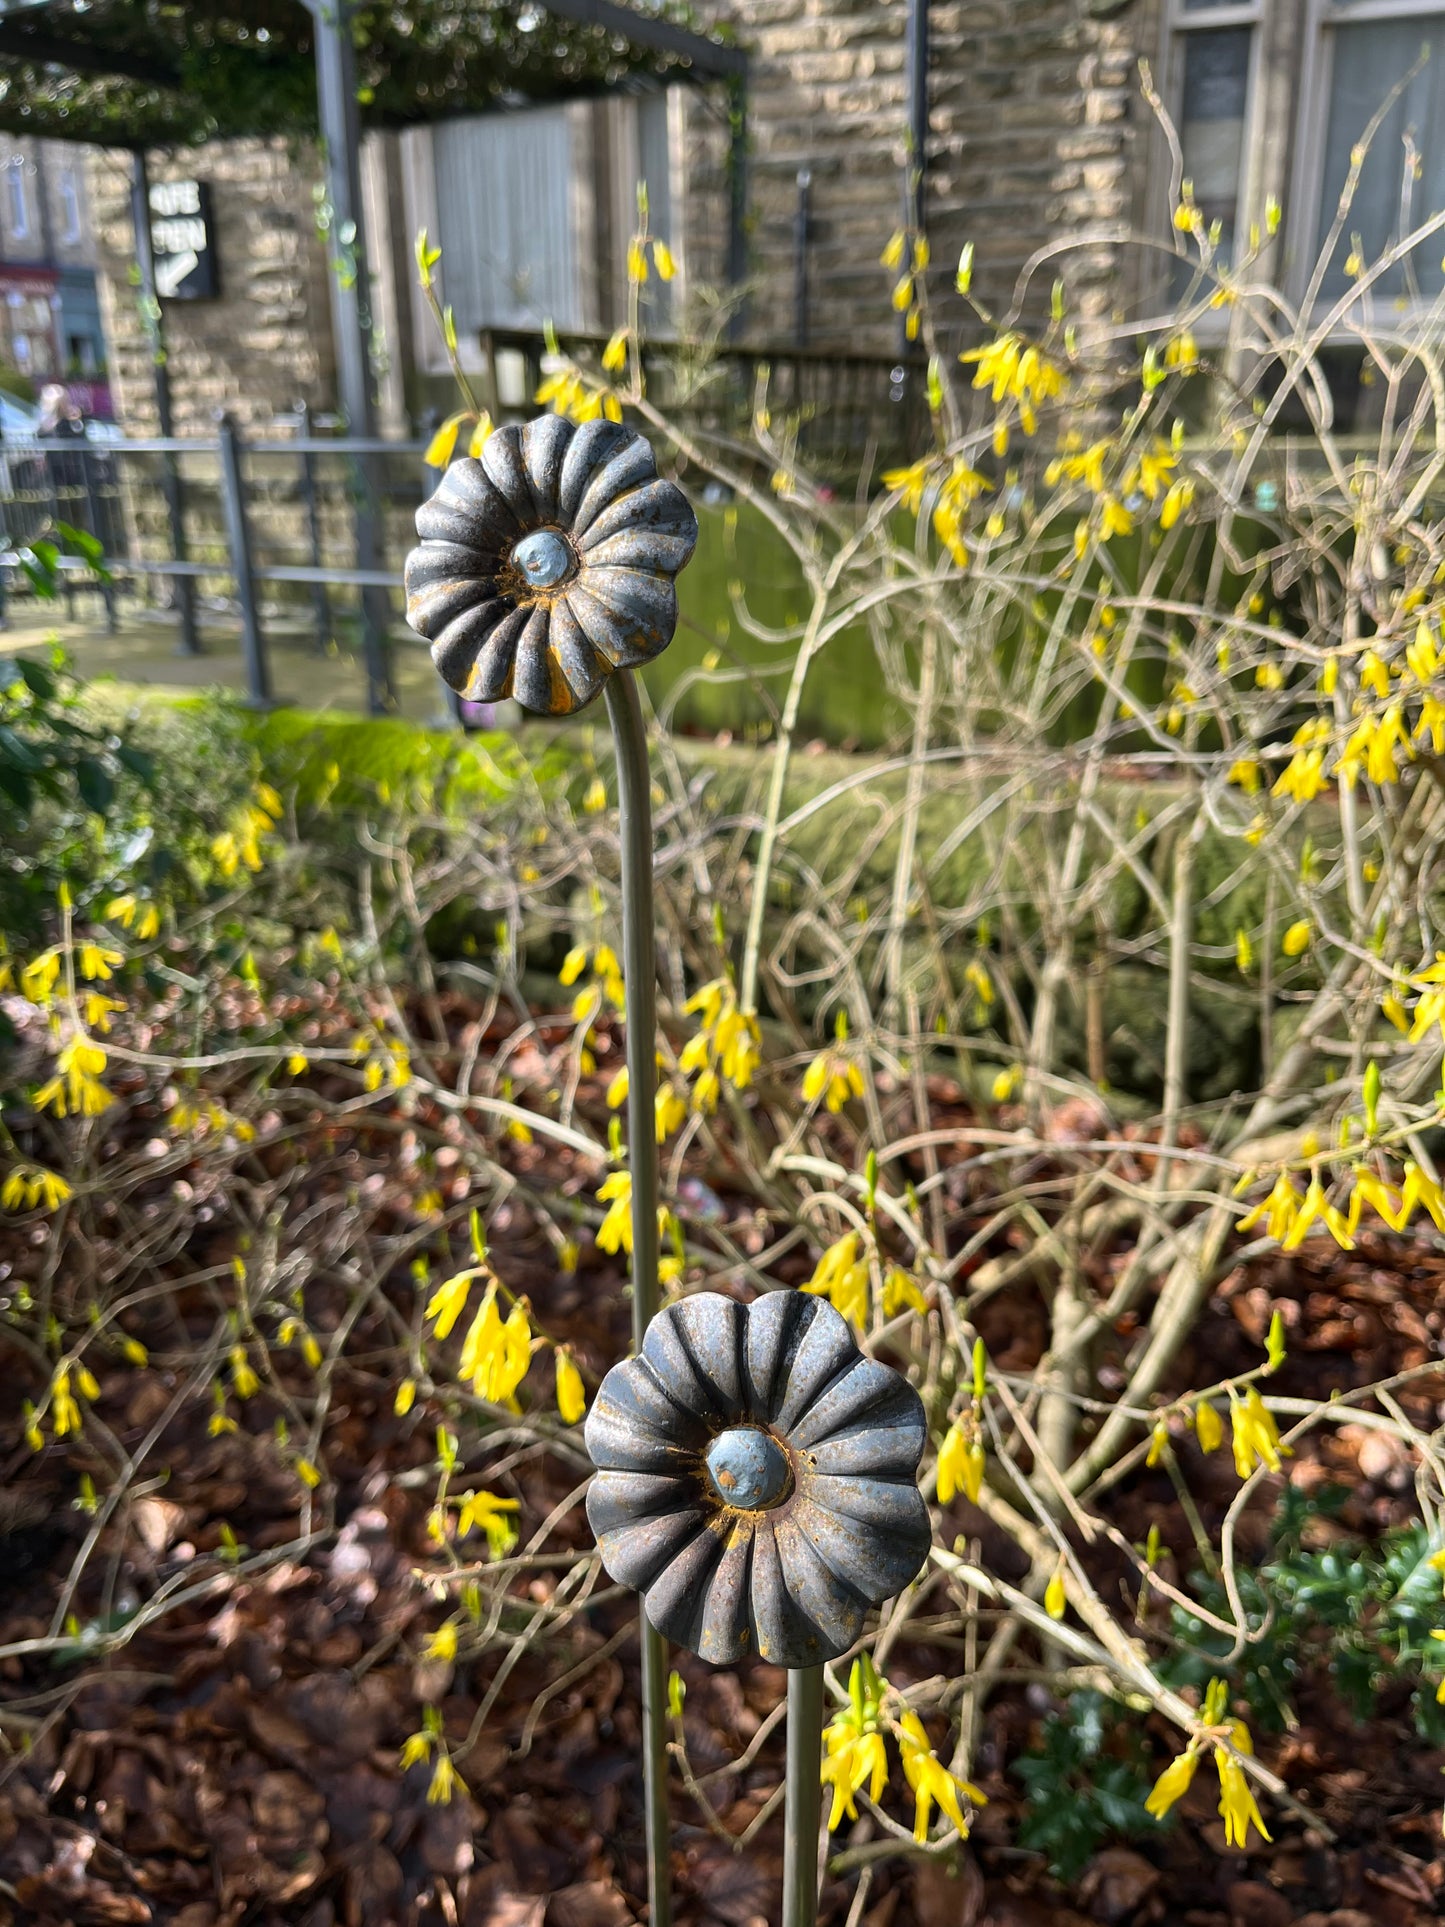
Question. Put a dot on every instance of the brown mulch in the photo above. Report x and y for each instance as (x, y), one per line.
(237, 1761)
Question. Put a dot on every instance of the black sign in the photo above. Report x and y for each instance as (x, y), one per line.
(185, 256)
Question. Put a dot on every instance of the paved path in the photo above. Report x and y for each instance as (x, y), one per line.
(146, 649)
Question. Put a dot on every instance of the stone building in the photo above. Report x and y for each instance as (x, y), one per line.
(50, 324)
(1038, 132)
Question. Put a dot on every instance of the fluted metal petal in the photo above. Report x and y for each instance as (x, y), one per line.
(617, 1499)
(537, 679)
(658, 507)
(676, 1600)
(592, 446)
(875, 1555)
(629, 617)
(826, 1349)
(725, 1630)
(833, 1609)
(638, 1554)
(866, 1394)
(634, 1426)
(577, 659)
(457, 646)
(502, 460)
(468, 509)
(785, 1636)
(436, 562)
(491, 677)
(545, 442)
(629, 467)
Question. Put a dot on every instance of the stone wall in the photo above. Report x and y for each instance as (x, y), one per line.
(1037, 131)
(266, 342)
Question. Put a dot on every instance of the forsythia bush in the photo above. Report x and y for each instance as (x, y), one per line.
(1174, 682)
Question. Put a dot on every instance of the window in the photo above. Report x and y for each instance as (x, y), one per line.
(17, 200)
(1366, 49)
(1214, 61)
(69, 206)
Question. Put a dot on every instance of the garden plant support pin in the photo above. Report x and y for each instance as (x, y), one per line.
(545, 572)
(756, 1473)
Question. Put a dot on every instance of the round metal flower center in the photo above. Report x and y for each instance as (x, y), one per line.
(544, 558)
(748, 1468)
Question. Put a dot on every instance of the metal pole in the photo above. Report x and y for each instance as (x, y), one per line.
(800, 259)
(238, 539)
(320, 600)
(639, 972)
(803, 1800)
(737, 173)
(915, 168)
(351, 308)
(171, 486)
(92, 505)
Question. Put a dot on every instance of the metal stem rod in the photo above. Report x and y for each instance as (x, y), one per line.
(803, 1800)
(639, 971)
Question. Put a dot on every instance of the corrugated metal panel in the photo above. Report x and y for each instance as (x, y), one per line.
(503, 215)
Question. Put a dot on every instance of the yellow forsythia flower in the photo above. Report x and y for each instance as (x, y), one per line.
(446, 1782)
(960, 1462)
(614, 1234)
(571, 1396)
(443, 1643)
(1056, 1598)
(900, 1290)
(1208, 1426)
(931, 1780)
(1174, 1782)
(1255, 1434)
(842, 1278)
(1237, 1805)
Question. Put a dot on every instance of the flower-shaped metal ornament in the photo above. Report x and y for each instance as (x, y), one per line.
(757, 1478)
(548, 563)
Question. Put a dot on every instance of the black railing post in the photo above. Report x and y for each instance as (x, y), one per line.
(238, 540)
(92, 506)
(320, 600)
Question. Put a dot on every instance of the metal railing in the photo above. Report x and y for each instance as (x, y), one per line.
(850, 414)
(320, 524)
(224, 512)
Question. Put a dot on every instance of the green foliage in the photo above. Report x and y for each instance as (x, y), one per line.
(208, 73)
(60, 777)
(1088, 1778)
(108, 802)
(1364, 1613)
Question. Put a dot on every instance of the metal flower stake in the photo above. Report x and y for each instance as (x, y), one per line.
(756, 1474)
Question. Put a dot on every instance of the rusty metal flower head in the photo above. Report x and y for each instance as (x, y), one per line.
(548, 563)
(757, 1478)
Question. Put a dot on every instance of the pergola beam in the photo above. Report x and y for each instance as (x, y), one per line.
(82, 57)
(709, 57)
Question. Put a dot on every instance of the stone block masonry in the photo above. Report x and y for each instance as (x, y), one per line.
(266, 342)
(1036, 133)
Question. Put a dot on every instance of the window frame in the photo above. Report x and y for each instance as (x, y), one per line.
(1307, 176)
(1178, 26)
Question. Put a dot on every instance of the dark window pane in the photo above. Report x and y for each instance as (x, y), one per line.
(1211, 125)
(1403, 179)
